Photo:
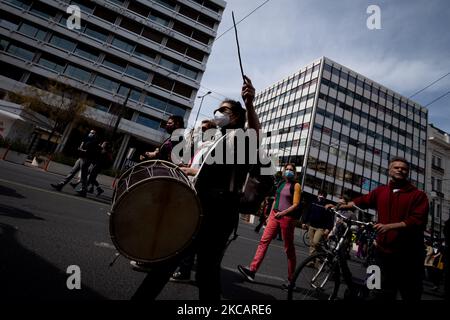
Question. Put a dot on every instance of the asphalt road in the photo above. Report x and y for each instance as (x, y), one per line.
(43, 232)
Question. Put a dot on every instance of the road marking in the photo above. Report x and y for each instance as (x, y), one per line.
(55, 192)
(104, 245)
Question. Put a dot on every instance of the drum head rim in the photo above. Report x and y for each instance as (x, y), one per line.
(173, 255)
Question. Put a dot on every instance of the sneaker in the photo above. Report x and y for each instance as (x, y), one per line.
(140, 266)
(99, 191)
(81, 193)
(180, 277)
(247, 273)
(57, 186)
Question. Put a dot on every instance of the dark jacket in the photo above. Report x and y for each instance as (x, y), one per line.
(409, 205)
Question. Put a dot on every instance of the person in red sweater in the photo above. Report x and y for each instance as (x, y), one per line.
(402, 218)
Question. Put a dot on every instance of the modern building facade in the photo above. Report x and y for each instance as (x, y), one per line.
(156, 50)
(438, 179)
(341, 128)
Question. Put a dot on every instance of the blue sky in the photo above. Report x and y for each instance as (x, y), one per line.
(411, 50)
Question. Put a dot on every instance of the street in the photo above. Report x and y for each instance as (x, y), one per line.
(43, 232)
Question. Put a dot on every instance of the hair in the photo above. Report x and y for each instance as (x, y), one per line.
(237, 109)
(399, 159)
(292, 165)
(177, 120)
(323, 192)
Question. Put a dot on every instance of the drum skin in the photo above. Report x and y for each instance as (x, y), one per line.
(155, 215)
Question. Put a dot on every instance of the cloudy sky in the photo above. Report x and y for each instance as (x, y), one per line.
(411, 50)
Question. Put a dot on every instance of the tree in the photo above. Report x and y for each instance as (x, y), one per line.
(59, 102)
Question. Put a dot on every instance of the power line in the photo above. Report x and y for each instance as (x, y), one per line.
(249, 14)
(429, 85)
(438, 98)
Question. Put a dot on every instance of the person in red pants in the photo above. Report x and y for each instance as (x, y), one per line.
(284, 215)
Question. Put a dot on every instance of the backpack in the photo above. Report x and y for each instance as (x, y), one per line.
(297, 211)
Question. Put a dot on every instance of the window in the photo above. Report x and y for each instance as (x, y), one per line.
(10, 71)
(21, 52)
(137, 73)
(105, 14)
(43, 10)
(21, 3)
(123, 44)
(86, 52)
(148, 121)
(32, 31)
(155, 102)
(175, 110)
(77, 73)
(188, 72)
(3, 43)
(145, 53)
(139, 8)
(162, 82)
(131, 25)
(153, 35)
(63, 43)
(96, 33)
(183, 89)
(106, 83)
(159, 18)
(52, 63)
(86, 6)
(167, 3)
(10, 23)
(115, 63)
(134, 95)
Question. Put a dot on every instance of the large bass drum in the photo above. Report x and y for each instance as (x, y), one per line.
(155, 212)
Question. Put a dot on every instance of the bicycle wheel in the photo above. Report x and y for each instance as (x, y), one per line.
(306, 238)
(317, 278)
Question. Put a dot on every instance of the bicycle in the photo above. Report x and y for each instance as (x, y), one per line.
(319, 276)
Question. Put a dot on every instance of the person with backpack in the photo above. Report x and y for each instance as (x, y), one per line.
(318, 221)
(284, 215)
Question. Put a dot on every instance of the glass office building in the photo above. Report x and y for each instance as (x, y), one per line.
(158, 49)
(341, 128)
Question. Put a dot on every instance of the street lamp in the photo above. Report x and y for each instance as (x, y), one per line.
(200, 107)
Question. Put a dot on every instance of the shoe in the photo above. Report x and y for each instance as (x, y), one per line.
(140, 266)
(57, 186)
(287, 285)
(179, 277)
(91, 189)
(99, 191)
(73, 184)
(247, 273)
(81, 193)
(311, 264)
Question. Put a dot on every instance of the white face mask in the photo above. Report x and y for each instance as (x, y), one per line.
(221, 119)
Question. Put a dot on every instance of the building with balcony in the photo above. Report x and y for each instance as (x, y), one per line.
(153, 51)
(438, 179)
(341, 129)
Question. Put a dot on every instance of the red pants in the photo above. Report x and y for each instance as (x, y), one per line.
(287, 225)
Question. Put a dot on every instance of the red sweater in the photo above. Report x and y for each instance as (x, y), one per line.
(409, 205)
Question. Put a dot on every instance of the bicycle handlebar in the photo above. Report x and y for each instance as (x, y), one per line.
(338, 213)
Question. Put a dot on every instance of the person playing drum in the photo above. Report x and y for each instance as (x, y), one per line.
(164, 152)
(218, 187)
